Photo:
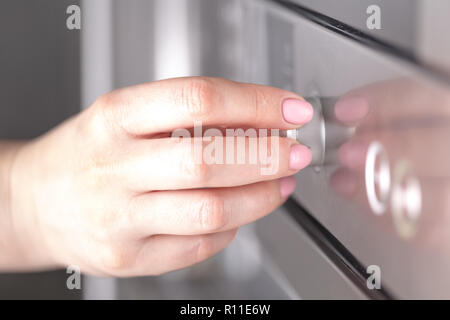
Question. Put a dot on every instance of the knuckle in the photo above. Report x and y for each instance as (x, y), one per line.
(104, 226)
(109, 109)
(210, 214)
(204, 248)
(104, 106)
(195, 170)
(198, 98)
(233, 234)
(96, 117)
(113, 259)
(102, 221)
(259, 100)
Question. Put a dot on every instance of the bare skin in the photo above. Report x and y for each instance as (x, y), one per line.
(107, 191)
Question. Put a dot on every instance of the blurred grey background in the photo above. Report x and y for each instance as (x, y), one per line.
(39, 87)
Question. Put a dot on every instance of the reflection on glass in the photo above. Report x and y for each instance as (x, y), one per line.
(397, 162)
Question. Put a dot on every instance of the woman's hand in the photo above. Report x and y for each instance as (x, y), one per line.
(110, 191)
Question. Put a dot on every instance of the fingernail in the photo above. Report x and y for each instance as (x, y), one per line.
(299, 157)
(297, 111)
(287, 186)
(351, 109)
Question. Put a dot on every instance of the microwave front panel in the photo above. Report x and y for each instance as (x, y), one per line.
(381, 185)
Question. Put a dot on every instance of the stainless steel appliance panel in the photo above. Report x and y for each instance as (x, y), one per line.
(382, 191)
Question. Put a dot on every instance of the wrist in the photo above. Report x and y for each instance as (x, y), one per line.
(20, 245)
(9, 246)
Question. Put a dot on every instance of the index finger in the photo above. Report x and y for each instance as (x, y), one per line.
(167, 105)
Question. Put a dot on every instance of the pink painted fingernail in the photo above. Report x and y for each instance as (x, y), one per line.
(287, 186)
(351, 109)
(297, 111)
(299, 157)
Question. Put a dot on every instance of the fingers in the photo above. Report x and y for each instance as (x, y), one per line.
(188, 212)
(167, 105)
(164, 253)
(171, 163)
